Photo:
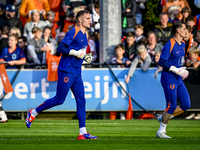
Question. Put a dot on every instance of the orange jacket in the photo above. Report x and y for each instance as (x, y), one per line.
(27, 5)
(56, 6)
(181, 3)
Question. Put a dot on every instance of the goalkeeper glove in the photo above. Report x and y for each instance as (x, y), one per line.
(88, 58)
(180, 71)
(80, 53)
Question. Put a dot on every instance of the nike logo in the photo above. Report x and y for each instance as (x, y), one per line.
(177, 52)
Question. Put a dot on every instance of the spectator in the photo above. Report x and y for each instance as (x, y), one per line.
(37, 47)
(61, 37)
(15, 30)
(92, 46)
(186, 11)
(139, 30)
(120, 59)
(130, 46)
(195, 63)
(181, 3)
(138, 13)
(69, 5)
(193, 60)
(190, 22)
(36, 22)
(10, 19)
(4, 38)
(153, 47)
(188, 41)
(157, 58)
(143, 59)
(95, 23)
(49, 40)
(173, 11)
(164, 30)
(54, 26)
(128, 15)
(27, 6)
(12, 54)
(22, 43)
(70, 20)
(56, 5)
(197, 21)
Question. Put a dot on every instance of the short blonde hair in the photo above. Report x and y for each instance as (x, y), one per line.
(36, 29)
(194, 50)
(139, 26)
(77, 9)
(141, 49)
(17, 30)
(51, 13)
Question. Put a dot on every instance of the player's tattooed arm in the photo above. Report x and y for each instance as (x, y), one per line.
(166, 117)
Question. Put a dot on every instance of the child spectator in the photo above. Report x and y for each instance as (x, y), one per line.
(130, 46)
(173, 11)
(22, 43)
(12, 54)
(190, 22)
(49, 40)
(153, 46)
(156, 60)
(37, 47)
(186, 11)
(188, 40)
(119, 51)
(143, 59)
(15, 30)
(193, 61)
(139, 30)
(54, 26)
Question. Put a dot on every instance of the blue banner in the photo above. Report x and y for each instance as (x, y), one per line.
(102, 91)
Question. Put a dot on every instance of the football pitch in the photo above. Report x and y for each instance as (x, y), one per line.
(113, 135)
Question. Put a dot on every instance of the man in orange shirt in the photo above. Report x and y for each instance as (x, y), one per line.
(28, 5)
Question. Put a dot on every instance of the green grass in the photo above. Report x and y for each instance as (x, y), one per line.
(113, 135)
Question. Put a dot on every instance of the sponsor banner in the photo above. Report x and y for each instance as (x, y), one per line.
(102, 91)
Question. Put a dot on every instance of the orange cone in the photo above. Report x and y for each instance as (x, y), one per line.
(129, 113)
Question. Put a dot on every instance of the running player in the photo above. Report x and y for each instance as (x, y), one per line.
(173, 74)
(73, 49)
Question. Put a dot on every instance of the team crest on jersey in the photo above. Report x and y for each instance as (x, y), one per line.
(172, 86)
(14, 56)
(66, 79)
(181, 61)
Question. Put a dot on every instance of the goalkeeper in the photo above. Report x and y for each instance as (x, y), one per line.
(73, 50)
(173, 74)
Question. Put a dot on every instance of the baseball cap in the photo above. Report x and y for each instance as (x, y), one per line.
(10, 8)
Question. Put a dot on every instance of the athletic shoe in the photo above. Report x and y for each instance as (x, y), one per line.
(197, 116)
(29, 118)
(86, 136)
(190, 116)
(162, 135)
(159, 118)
